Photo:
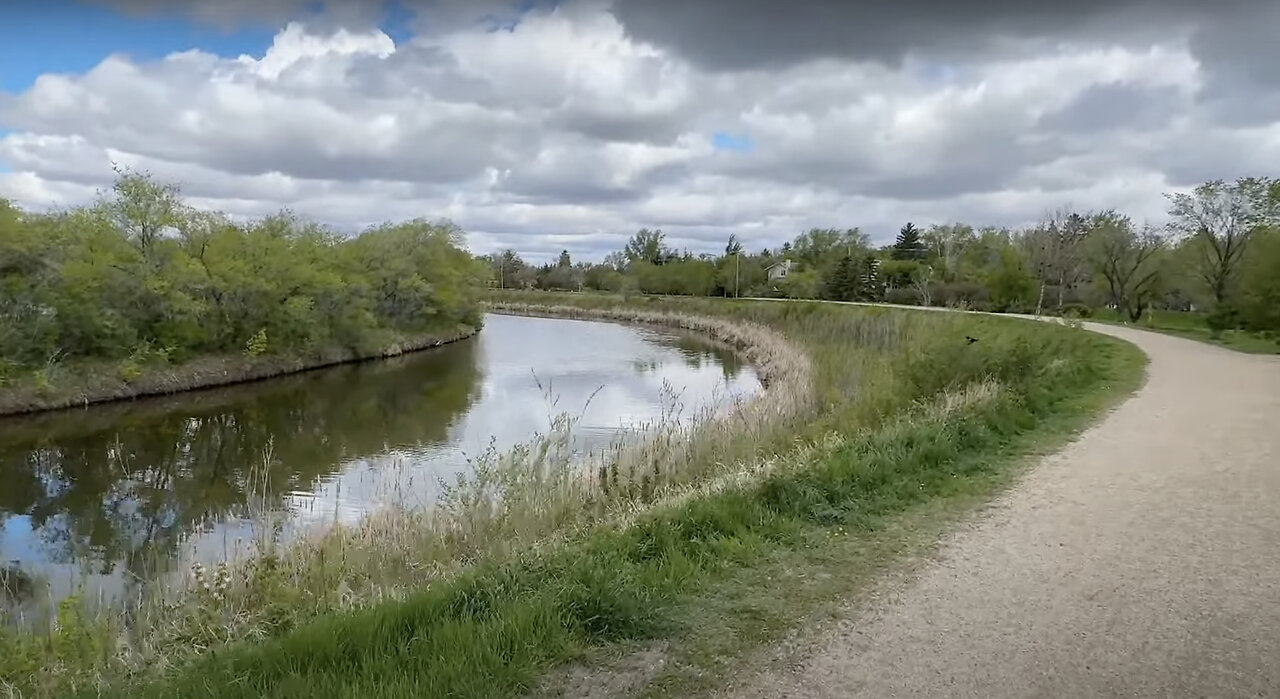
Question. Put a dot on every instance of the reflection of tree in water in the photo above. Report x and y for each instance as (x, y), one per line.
(696, 353)
(645, 365)
(16, 585)
(120, 482)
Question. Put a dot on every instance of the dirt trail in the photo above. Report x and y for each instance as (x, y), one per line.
(1141, 561)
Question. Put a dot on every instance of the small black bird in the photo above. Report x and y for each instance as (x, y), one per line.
(971, 339)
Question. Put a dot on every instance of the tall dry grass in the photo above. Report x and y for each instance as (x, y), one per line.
(535, 495)
(536, 552)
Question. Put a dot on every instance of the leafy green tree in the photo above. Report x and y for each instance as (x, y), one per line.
(739, 275)
(1009, 282)
(1127, 261)
(1224, 217)
(140, 276)
(899, 273)
(947, 245)
(823, 248)
(617, 260)
(802, 284)
(647, 246)
(560, 277)
(1260, 283)
(508, 271)
(603, 277)
(142, 207)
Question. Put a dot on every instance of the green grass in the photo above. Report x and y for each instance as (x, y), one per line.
(798, 590)
(1193, 326)
(909, 426)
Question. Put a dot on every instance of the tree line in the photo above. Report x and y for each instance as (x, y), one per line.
(1219, 253)
(140, 275)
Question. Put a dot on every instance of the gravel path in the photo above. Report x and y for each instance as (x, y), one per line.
(1141, 561)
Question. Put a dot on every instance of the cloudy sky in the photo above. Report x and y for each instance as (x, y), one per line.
(541, 125)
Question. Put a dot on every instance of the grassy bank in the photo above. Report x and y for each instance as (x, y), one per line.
(879, 419)
(1194, 326)
(90, 382)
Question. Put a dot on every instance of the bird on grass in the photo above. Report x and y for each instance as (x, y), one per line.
(971, 339)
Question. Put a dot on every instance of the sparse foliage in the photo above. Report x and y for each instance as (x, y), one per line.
(647, 246)
(1055, 252)
(1127, 261)
(1223, 218)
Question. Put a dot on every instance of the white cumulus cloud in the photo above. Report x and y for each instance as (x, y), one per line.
(578, 124)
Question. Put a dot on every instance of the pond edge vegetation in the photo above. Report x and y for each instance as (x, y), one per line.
(141, 293)
(770, 354)
(93, 387)
(547, 563)
(537, 493)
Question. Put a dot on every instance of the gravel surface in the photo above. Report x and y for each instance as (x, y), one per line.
(1141, 561)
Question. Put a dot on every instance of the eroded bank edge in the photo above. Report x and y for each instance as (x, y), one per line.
(206, 372)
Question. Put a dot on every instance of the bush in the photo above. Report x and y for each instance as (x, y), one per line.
(257, 345)
(903, 297)
(1077, 310)
(1223, 318)
(970, 294)
(1259, 302)
(85, 285)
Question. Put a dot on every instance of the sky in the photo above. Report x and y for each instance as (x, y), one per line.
(542, 125)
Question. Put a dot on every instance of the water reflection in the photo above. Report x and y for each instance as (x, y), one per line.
(116, 492)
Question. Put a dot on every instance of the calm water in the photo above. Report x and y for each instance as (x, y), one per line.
(109, 493)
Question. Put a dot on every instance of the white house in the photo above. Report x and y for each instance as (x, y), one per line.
(778, 271)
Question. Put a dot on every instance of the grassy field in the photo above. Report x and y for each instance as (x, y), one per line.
(884, 427)
(1192, 326)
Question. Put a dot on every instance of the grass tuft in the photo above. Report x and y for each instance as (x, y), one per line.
(869, 415)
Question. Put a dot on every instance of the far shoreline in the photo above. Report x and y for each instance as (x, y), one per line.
(106, 386)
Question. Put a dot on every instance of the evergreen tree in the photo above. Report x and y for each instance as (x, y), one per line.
(868, 283)
(909, 245)
(841, 281)
(564, 260)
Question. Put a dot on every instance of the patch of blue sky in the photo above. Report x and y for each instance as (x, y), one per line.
(397, 21)
(738, 143)
(18, 538)
(67, 36)
(508, 21)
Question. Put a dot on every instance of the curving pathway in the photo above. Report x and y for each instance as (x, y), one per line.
(1141, 561)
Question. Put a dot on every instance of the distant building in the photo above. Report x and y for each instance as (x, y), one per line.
(779, 271)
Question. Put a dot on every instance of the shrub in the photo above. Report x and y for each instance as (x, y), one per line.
(951, 295)
(1224, 317)
(1077, 310)
(903, 296)
(84, 285)
(257, 344)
